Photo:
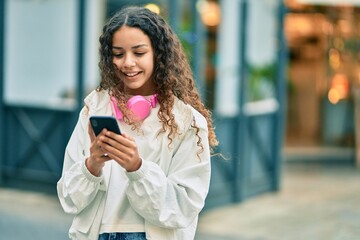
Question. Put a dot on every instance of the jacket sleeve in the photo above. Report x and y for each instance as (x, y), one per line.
(77, 187)
(174, 199)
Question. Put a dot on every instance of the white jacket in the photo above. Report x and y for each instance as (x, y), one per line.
(168, 190)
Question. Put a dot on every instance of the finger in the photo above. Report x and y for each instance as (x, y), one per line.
(105, 157)
(96, 146)
(128, 137)
(114, 146)
(113, 135)
(91, 132)
(111, 146)
(130, 162)
(98, 153)
(123, 139)
(108, 145)
(119, 152)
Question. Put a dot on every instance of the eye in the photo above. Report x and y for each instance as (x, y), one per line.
(139, 53)
(117, 55)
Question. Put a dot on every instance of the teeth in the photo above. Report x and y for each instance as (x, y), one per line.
(131, 74)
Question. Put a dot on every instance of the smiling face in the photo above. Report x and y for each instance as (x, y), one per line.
(133, 56)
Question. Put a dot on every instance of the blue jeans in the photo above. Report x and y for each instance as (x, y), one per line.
(123, 236)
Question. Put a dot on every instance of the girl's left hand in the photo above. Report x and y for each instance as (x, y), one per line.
(121, 148)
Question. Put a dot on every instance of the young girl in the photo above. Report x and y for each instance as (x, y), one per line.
(151, 181)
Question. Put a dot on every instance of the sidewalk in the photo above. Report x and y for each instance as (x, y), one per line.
(316, 201)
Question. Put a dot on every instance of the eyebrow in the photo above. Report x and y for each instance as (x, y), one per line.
(134, 47)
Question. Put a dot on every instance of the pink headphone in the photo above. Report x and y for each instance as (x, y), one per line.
(139, 105)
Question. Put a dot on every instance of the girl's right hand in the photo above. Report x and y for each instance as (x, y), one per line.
(98, 157)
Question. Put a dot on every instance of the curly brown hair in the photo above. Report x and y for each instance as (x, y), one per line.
(172, 74)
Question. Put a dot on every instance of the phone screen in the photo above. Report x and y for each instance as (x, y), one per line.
(98, 123)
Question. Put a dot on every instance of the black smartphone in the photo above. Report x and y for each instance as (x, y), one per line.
(98, 123)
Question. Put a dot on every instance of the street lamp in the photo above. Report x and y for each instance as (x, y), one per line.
(210, 12)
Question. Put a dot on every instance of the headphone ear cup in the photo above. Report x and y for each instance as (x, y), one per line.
(140, 106)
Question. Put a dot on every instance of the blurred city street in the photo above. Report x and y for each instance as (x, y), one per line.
(278, 76)
(316, 201)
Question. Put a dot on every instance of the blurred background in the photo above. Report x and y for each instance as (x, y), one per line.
(281, 77)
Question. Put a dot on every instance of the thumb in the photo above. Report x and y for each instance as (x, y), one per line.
(91, 133)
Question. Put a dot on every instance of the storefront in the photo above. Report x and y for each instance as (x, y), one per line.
(49, 63)
(324, 42)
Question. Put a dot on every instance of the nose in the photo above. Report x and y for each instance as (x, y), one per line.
(129, 61)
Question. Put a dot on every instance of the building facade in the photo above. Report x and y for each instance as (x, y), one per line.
(237, 50)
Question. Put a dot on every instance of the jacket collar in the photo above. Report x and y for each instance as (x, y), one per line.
(98, 103)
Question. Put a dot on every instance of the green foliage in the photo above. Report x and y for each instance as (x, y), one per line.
(261, 82)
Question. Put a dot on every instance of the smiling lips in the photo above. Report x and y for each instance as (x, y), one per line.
(131, 74)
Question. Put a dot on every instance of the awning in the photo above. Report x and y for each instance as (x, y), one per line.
(330, 2)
